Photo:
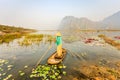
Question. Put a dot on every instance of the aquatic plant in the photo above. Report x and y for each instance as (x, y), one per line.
(48, 72)
(49, 38)
(8, 77)
(70, 39)
(110, 41)
(3, 62)
(9, 37)
(21, 73)
(4, 66)
(31, 38)
(97, 72)
(25, 66)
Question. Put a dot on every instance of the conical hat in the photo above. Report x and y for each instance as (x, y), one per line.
(58, 34)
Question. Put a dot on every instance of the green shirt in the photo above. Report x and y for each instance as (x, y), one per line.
(58, 40)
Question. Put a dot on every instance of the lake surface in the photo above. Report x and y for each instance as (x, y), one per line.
(78, 54)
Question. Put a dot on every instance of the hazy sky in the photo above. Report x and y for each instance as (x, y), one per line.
(47, 14)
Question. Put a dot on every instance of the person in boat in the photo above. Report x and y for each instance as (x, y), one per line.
(59, 45)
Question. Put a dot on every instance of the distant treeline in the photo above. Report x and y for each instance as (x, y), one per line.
(12, 29)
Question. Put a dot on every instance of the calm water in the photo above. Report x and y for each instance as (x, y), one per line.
(19, 56)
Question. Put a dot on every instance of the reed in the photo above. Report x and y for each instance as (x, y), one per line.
(110, 41)
(9, 37)
(31, 38)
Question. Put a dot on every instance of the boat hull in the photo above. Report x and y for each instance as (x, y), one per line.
(53, 60)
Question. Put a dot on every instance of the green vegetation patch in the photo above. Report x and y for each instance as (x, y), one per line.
(48, 72)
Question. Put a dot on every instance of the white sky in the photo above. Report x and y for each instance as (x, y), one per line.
(47, 14)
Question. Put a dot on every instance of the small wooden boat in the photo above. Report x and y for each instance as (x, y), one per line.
(53, 60)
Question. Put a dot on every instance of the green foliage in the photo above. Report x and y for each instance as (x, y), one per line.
(48, 72)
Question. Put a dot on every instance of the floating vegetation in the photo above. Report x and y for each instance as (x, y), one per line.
(48, 72)
(25, 66)
(21, 73)
(95, 72)
(31, 38)
(9, 66)
(117, 37)
(9, 37)
(5, 66)
(110, 41)
(94, 41)
(8, 77)
(3, 62)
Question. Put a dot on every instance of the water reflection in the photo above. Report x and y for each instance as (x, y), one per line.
(78, 55)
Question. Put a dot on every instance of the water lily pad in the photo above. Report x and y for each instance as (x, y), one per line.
(9, 69)
(22, 73)
(1, 69)
(50, 72)
(26, 66)
(64, 73)
(9, 66)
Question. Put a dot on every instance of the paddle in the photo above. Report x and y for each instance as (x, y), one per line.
(43, 55)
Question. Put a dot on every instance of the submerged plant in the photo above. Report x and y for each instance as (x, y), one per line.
(48, 72)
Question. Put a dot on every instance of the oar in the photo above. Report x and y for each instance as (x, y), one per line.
(43, 56)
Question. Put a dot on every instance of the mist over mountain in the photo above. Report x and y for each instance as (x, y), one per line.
(113, 21)
(73, 23)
